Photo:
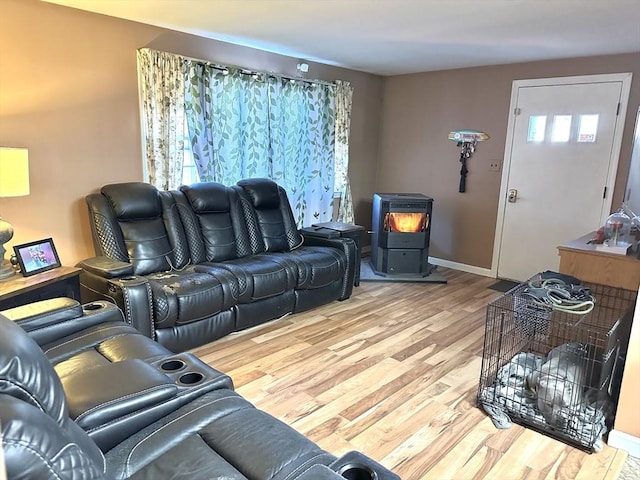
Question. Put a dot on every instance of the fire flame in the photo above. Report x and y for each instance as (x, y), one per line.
(406, 222)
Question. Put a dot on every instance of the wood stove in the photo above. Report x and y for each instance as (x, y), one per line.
(401, 226)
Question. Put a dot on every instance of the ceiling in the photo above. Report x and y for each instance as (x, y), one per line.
(391, 37)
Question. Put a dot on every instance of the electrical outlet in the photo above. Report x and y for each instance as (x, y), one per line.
(494, 165)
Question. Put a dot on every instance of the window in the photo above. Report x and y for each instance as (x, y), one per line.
(588, 127)
(561, 130)
(537, 126)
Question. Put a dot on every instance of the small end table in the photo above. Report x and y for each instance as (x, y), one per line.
(339, 229)
(59, 282)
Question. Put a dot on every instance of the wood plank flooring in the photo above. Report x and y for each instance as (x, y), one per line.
(393, 372)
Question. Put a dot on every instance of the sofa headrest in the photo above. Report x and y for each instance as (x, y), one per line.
(27, 374)
(133, 200)
(262, 191)
(208, 197)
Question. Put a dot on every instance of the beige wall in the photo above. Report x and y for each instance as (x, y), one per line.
(419, 111)
(68, 92)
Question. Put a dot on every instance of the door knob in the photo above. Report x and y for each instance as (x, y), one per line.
(512, 195)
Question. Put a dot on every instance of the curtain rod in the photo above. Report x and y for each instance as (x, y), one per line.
(248, 71)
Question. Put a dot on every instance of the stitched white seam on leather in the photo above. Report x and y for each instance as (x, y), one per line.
(28, 394)
(166, 425)
(26, 446)
(305, 470)
(297, 469)
(88, 335)
(69, 445)
(97, 407)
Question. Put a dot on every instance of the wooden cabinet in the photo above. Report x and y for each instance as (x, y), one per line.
(583, 261)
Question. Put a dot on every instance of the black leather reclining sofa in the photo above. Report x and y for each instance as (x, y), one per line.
(83, 395)
(192, 265)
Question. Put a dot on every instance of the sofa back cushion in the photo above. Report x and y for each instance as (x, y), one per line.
(272, 214)
(137, 209)
(220, 223)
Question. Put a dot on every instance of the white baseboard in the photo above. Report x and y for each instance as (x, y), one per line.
(624, 441)
(485, 272)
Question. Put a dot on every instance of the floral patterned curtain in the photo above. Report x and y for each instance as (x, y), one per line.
(302, 133)
(344, 96)
(251, 125)
(161, 79)
(241, 125)
(227, 115)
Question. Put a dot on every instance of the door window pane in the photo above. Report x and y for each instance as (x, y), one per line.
(588, 128)
(537, 125)
(561, 130)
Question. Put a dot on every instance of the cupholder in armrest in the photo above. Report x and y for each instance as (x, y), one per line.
(191, 374)
(357, 471)
(191, 378)
(91, 307)
(355, 465)
(172, 365)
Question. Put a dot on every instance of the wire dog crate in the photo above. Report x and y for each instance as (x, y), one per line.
(553, 371)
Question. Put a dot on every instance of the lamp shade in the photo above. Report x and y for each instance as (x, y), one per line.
(14, 172)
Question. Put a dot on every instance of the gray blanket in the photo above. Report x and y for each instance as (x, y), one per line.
(509, 398)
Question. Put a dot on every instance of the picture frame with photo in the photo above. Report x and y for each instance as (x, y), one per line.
(36, 257)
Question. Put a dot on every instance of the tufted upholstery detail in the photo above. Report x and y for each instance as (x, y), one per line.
(191, 228)
(107, 237)
(175, 231)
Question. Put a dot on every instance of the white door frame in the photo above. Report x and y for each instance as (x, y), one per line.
(625, 78)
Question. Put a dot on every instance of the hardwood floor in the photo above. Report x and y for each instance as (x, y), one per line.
(393, 372)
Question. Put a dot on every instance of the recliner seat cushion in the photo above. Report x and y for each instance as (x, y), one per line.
(316, 266)
(183, 297)
(258, 277)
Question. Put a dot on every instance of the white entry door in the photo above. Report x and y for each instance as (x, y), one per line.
(559, 170)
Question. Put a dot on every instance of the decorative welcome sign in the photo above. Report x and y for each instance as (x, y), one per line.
(468, 136)
(467, 141)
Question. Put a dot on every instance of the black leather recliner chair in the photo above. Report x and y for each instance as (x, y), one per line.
(192, 265)
(215, 434)
(116, 380)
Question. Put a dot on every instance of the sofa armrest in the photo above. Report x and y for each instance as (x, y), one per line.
(101, 394)
(131, 293)
(321, 472)
(355, 464)
(49, 320)
(106, 267)
(113, 401)
(348, 246)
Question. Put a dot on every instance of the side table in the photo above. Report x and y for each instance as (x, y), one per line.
(59, 282)
(339, 229)
(583, 261)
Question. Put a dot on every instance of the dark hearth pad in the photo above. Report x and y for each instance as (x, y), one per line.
(367, 275)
